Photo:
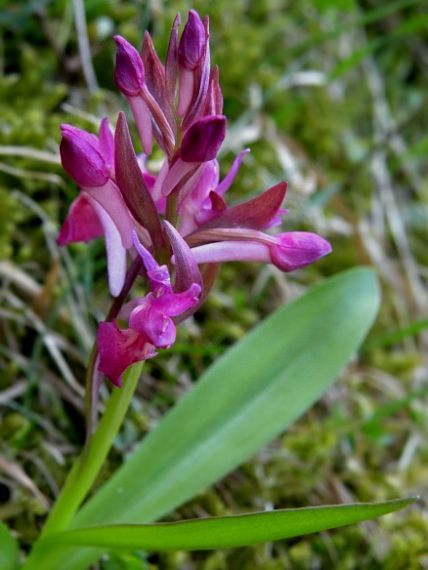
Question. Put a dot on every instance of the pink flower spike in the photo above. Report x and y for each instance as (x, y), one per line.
(118, 349)
(81, 157)
(129, 69)
(193, 42)
(203, 139)
(81, 223)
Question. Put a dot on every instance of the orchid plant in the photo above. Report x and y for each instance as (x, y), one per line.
(171, 231)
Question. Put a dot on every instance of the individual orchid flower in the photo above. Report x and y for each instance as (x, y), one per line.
(150, 320)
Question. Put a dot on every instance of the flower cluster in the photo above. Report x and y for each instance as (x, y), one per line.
(176, 221)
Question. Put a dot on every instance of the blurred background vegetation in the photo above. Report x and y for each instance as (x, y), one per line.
(330, 95)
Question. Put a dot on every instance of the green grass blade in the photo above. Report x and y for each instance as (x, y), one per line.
(223, 532)
(9, 552)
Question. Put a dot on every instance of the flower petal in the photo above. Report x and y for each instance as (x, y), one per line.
(173, 304)
(118, 349)
(81, 223)
(116, 253)
(203, 139)
(155, 324)
(129, 68)
(81, 157)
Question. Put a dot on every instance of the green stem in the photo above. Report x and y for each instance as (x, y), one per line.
(88, 465)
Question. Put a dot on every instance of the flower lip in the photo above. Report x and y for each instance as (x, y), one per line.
(203, 139)
(193, 42)
(129, 68)
(81, 157)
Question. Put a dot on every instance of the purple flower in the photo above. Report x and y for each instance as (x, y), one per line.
(173, 221)
(150, 322)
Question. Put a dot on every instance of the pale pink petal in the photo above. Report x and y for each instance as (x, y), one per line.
(110, 198)
(116, 253)
(220, 252)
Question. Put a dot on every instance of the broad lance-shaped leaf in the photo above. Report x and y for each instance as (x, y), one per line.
(9, 551)
(131, 184)
(251, 394)
(220, 532)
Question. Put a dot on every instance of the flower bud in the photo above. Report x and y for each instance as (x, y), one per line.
(192, 43)
(293, 250)
(203, 139)
(129, 69)
(81, 157)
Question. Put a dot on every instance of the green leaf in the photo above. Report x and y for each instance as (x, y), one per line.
(222, 532)
(9, 551)
(251, 394)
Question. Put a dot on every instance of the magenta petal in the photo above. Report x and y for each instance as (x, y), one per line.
(81, 157)
(173, 304)
(158, 274)
(81, 223)
(193, 42)
(129, 69)
(118, 349)
(153, 323)
(203, 139)
(298, 249)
